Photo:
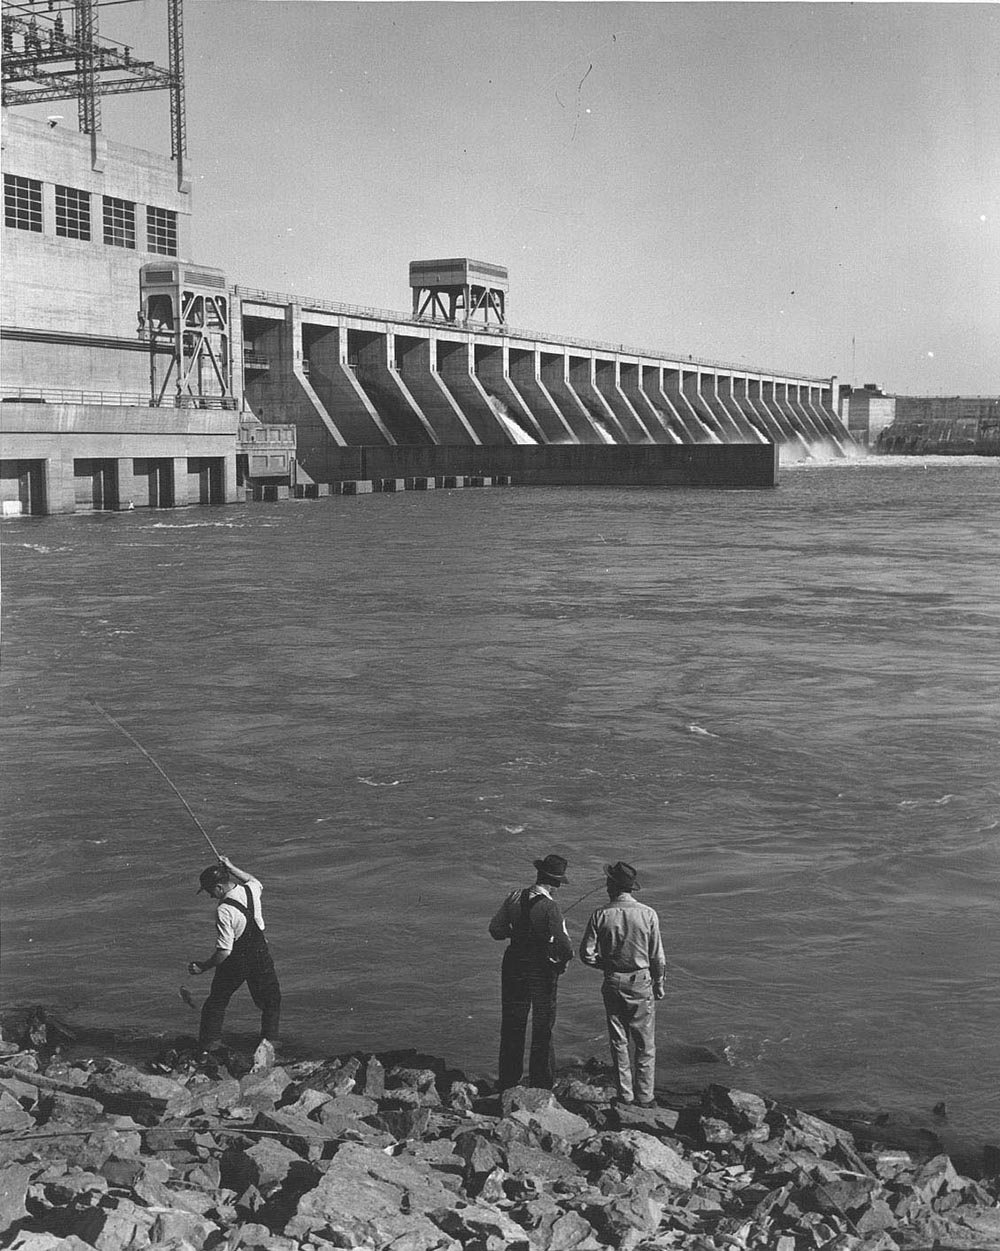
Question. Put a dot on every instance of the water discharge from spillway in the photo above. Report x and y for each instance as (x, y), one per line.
(516, 431)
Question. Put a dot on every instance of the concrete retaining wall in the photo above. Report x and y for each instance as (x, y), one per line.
(691, 465)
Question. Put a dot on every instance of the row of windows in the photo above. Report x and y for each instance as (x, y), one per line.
(22, 209)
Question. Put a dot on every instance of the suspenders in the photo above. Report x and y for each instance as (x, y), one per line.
(522, 939)
(248, 911)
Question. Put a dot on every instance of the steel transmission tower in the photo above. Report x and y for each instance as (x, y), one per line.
(52, 51)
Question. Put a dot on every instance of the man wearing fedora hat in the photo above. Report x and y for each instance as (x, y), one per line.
(622, 939)
(241, 953)
(539, 951)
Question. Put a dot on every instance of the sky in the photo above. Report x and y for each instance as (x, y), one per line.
(804, 187)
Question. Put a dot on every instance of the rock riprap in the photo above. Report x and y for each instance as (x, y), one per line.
(399, 1151)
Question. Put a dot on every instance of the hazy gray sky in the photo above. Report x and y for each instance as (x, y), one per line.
(751, 182)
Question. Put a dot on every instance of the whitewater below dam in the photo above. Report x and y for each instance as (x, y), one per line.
(782, 706)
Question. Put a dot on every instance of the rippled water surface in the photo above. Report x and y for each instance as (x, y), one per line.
(782, 706)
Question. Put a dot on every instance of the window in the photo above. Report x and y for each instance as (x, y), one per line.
(119, 222)
(72, 213)
(22, 203)
(161, 230)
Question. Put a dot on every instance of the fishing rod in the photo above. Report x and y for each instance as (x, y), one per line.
(135, 742)
(582, 898)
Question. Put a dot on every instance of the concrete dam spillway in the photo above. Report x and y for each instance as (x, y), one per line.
(347, 376)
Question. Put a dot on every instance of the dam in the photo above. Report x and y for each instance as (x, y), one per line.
(136, 376)
(347, 376)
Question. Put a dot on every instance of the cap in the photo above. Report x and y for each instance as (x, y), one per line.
(212, 876)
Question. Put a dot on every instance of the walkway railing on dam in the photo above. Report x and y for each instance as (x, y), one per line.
(113, 399)
(510, 332)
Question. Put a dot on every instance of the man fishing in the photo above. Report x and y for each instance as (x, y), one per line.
(538, 953)
(622, 939)
(241, 953)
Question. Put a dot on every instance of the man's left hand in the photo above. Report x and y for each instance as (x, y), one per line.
(196, 967)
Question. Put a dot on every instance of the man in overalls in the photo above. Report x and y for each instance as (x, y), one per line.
(241, 953)
(539, 951)
(622, 939)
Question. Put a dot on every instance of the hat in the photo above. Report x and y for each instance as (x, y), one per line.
(553, 867)
(212, 876)
(624, 875)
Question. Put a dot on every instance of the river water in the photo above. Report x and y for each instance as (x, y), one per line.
(782, 706)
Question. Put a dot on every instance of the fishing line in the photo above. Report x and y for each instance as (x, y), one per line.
(135, 742)
(582, 898)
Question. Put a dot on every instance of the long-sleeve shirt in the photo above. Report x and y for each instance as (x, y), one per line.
(549, 935)
(622, 937)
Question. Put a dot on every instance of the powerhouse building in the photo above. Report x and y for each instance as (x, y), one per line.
(137, 374)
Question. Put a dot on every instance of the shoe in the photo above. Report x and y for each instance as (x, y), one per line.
(620, 1102)
(645, 1103)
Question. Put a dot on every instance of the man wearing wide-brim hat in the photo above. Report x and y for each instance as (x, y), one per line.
(539, 951)
(622, 939)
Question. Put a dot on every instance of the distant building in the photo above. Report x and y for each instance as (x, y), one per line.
(921, 425)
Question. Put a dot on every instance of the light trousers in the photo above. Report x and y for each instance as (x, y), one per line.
(631, 1015)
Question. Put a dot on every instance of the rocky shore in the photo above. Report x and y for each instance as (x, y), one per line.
(397, 1150)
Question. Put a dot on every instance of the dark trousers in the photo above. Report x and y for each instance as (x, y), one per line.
(527, 987)
(254, 966)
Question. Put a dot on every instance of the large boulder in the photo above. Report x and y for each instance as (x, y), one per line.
(553, 1228)
(76, 1110)
(738, 1108)
(338, 1110)
(176, 1226)
(633, 1151)
(263, 1165)
(367, 1197)
(370, 1080)
(403, 1123)
(625, 1219)
(214, 1097)
(479, 1153)
(73, 1183)
(549, 1123)
(114, 1224)
(263, 1090)
(308, 1102)
(122, 1088)
(296, 1132)
(478, 1224)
